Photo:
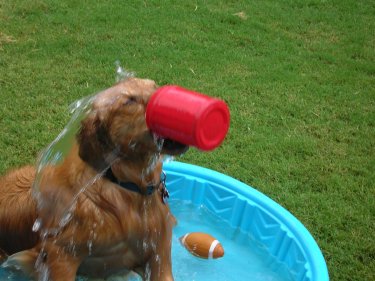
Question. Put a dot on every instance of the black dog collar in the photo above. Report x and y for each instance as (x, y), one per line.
(135, 188)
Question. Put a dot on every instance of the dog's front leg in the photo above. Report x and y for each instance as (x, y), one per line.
(155, 271)
(161, 273)
(159, 267)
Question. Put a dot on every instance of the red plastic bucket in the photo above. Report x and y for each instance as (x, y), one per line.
(188, 117)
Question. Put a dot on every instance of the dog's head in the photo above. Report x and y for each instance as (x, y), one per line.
(115, 128)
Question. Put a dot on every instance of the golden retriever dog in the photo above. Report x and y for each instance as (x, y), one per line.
(111, 180)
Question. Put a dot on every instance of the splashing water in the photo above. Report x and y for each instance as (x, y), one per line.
(37, 224)
(79, 109)
(58, 150)
(54, 154)
(121, 73)
(168, 158)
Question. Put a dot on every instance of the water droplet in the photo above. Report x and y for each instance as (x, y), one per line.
(37, 224)
(132, 145)
(65, 219)
(121, 73)
(145, 245)
(89, 245)
(168, 158)
(159, 141)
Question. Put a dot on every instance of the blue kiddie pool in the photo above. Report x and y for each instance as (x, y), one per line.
(262, 240)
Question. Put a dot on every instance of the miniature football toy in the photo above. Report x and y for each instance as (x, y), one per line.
(202, 245)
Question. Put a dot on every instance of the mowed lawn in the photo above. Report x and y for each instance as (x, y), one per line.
(299, 78)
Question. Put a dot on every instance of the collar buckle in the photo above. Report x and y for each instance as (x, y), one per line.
(163, 190)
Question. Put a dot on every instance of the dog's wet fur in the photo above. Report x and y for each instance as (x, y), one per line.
(111, 228)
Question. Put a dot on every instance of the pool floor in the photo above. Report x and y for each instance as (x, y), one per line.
(244, 259)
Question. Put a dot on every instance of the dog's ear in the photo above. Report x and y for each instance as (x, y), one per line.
(95, 145)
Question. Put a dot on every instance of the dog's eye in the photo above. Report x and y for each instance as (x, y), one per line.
(131, 100)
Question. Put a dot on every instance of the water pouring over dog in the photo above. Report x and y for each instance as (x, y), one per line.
(100, 208)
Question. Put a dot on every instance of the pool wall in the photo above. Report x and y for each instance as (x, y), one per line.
(242, 206)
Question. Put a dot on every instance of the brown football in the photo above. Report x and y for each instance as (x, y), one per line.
(202, 245)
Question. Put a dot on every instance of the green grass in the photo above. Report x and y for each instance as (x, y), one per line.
(299, 77)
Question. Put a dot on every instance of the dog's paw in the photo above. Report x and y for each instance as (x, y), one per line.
(23, 261)
(129, 276)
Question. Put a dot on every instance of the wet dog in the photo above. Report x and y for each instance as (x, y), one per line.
(100, 210)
